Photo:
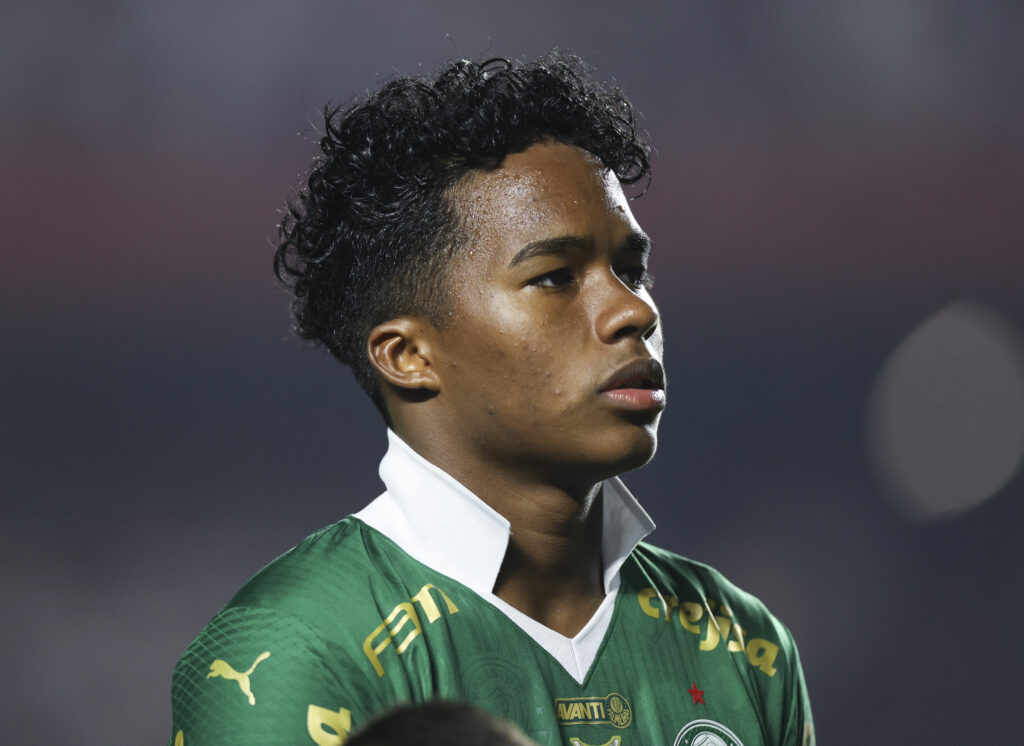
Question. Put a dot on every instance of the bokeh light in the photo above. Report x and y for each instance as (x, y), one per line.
(946, 421)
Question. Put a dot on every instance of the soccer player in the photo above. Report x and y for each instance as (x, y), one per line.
(464, 245)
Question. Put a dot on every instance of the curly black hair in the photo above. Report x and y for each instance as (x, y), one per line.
(371, 235)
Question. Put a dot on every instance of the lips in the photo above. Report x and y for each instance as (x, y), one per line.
(638, 386)
(646, 373)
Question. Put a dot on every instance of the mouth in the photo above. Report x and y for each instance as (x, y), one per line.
(639, 385)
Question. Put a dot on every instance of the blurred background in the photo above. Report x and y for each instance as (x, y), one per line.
(837, 214)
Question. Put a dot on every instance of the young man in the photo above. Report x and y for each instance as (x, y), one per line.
(464, 245)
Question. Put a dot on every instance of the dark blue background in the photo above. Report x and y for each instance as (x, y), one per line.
(826, 177)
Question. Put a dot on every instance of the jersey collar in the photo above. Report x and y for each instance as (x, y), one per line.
(439, 522)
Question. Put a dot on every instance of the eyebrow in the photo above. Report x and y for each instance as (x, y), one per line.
(633, 242)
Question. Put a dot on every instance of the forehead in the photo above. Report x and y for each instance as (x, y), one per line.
(548, 190)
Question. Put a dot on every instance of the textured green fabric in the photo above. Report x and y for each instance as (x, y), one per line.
(347, 624)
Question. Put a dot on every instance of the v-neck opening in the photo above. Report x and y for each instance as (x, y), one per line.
(568, 642)
(490, 600)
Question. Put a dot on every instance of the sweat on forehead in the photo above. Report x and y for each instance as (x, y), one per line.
(548, 187)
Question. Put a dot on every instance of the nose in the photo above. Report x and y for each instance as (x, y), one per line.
(626, 312)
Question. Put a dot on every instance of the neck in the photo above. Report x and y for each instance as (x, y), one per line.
(552, 570)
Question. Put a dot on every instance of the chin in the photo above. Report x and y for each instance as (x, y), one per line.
(631, 450)
(643, 448)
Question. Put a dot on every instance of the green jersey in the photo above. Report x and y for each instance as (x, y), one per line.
(348, 624)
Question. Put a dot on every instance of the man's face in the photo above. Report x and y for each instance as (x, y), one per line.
(552, 356)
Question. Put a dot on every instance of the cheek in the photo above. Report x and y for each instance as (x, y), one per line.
(490, 331)
(512, 377)
(522, 367)
(508, 362)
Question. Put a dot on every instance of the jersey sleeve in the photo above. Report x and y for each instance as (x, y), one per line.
(262, 676)
(799, 723)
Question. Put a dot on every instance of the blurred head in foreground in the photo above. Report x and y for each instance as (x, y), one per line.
(439, 724)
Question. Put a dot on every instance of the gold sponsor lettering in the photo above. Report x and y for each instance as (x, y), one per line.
(373, 651)
(689, 614)
(761, 653)
(737, 645)
(646, 597)
(616, 741)
(404, 613)
(424, 599)
(613, 709)
(715, 632)
(720, 625)
(672, 604)
(179, 740)
(328, 727)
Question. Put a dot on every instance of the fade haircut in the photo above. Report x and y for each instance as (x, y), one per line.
(371, 235)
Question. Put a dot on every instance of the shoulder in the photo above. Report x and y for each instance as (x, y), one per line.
(293, 599)
(681, 576)
(326, 595)
(317, 597)
(669, 585)
(344, 566)
(334, 557)
(258, 675)
(714, 617)
(287, 648)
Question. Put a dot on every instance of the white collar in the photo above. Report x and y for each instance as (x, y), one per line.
(439, 522)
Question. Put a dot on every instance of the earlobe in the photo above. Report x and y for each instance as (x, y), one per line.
(402, 352)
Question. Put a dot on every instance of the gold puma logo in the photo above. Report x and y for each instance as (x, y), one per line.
(225, 671)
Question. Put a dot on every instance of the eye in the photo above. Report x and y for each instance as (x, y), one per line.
(554, 279)
(637, 277)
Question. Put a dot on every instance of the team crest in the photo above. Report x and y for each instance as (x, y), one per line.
(611, 710)
(706, 733)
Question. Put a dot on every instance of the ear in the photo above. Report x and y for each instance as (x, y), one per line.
(402, 350)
